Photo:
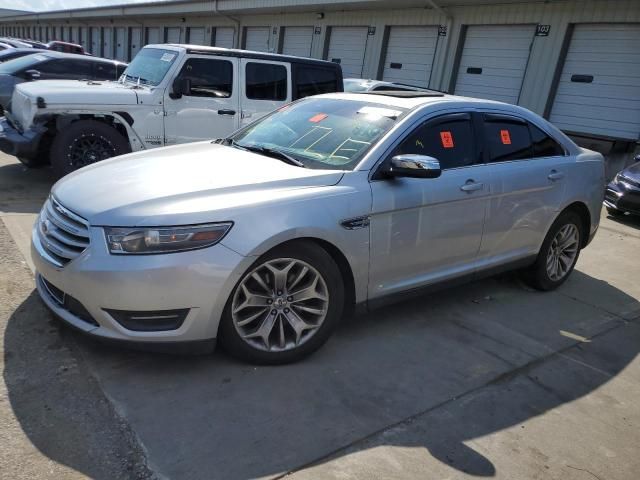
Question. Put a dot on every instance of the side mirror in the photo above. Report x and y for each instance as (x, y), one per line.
(636, 158)
(414, 166)
(32, 74)
(181, 86)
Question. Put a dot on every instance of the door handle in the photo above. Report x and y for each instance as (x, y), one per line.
(471, 186)
(226, 112)
(555, 175)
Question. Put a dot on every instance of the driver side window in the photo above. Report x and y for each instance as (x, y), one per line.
(209, 77)
(448, 139)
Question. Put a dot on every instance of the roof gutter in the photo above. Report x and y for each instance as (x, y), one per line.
(236, 21)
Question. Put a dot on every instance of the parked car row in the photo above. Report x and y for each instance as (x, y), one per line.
(55, 45)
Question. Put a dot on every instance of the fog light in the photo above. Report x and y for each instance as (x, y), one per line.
(149, 321)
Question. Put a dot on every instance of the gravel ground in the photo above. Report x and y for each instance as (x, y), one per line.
(50, 405)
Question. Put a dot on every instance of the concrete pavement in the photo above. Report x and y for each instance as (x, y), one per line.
(489, 379)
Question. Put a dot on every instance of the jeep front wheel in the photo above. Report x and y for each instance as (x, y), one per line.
(84, 143)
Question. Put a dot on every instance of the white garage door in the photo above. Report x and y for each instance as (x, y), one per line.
(107, 42)
(172, 34)
(257, 38)
(153, 35)
(409, 57)
(346, 47)
(120, 44)
(197, 36)
(84, 38)
(493, 62)
(297, 41)
(135, 41)
(95, 40)
(599, 89)
(224, 37)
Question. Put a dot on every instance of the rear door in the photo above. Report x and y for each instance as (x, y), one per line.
(211, 110)
(266, 86)
(528, 171)
(427, 230)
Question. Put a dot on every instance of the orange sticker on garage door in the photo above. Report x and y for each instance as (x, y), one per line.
(505, 137)
(318, 118)
(447, 139)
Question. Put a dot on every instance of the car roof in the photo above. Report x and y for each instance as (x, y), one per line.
(15, 50)
(54, 54)
(235, 52)
(411, 100)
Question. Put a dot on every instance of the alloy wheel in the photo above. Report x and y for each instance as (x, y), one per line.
(280, 305)
(89, 149)
(562, 252)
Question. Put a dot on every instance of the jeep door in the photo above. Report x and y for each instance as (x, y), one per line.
(209, 108)
(426, 230)
(266, 86)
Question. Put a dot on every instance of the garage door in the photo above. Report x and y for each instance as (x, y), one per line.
(297, 41)
(409, 57)
(135, 41)
(257, 38)
(84, 38)
(120, 44)
(95, 40)
(107, 42)
(493, 62)
(153, 35)
(224, 37)
(346, 47)
(172, 34)
(197, 36)
(599, 88)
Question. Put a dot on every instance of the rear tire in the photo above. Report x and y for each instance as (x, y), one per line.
(83, 143)
(267, 323)
(558, 254)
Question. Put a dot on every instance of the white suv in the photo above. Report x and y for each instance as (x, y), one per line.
(169, 94)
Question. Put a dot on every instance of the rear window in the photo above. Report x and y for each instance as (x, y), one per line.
(507, 139)
(314, 81)
(266, 81)
(543, 144)
(104, 71)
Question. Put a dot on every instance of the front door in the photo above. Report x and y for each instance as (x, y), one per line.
(428, 230)
(210, 110)
(266, 86)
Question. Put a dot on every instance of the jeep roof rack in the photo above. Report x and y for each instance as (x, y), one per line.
(406, 93)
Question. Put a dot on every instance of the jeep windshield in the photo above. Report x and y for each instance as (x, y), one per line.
(23, 63)
(320, 133)
(150, 66)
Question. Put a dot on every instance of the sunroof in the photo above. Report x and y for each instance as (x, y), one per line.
(407, 93)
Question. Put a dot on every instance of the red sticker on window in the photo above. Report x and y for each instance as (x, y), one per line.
(318, 118)
(505, 137)
(446, 139)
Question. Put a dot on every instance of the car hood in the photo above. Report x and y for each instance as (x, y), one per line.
(186, 184)
(80, 92)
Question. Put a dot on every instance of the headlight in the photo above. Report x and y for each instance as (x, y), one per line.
(164, 239)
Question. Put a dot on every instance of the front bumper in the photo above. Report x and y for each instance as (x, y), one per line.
(621, 197)
(25, 144)
(199, 280)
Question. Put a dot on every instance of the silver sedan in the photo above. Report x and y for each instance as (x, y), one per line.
(264, 239)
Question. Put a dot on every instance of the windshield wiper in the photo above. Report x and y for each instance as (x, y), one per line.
(270, 152)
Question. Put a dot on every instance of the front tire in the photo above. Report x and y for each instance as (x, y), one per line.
(285, 306)
(83, 143)
(558, 254)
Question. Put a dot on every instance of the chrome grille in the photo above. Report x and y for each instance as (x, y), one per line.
(63, 234)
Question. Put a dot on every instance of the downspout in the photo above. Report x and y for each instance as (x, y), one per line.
(236, 21)
(449, 17)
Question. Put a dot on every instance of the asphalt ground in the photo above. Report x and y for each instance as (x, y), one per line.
(490, 379)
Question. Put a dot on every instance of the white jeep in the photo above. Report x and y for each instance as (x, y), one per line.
(169, 94)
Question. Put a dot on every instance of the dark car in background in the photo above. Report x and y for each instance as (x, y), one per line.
(623, 193)
(48, 65)
(15, 43)
(11, 53)
(65, 47)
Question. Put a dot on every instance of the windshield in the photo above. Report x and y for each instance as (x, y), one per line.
(150, 66)
(22, 63)
(324, 133)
